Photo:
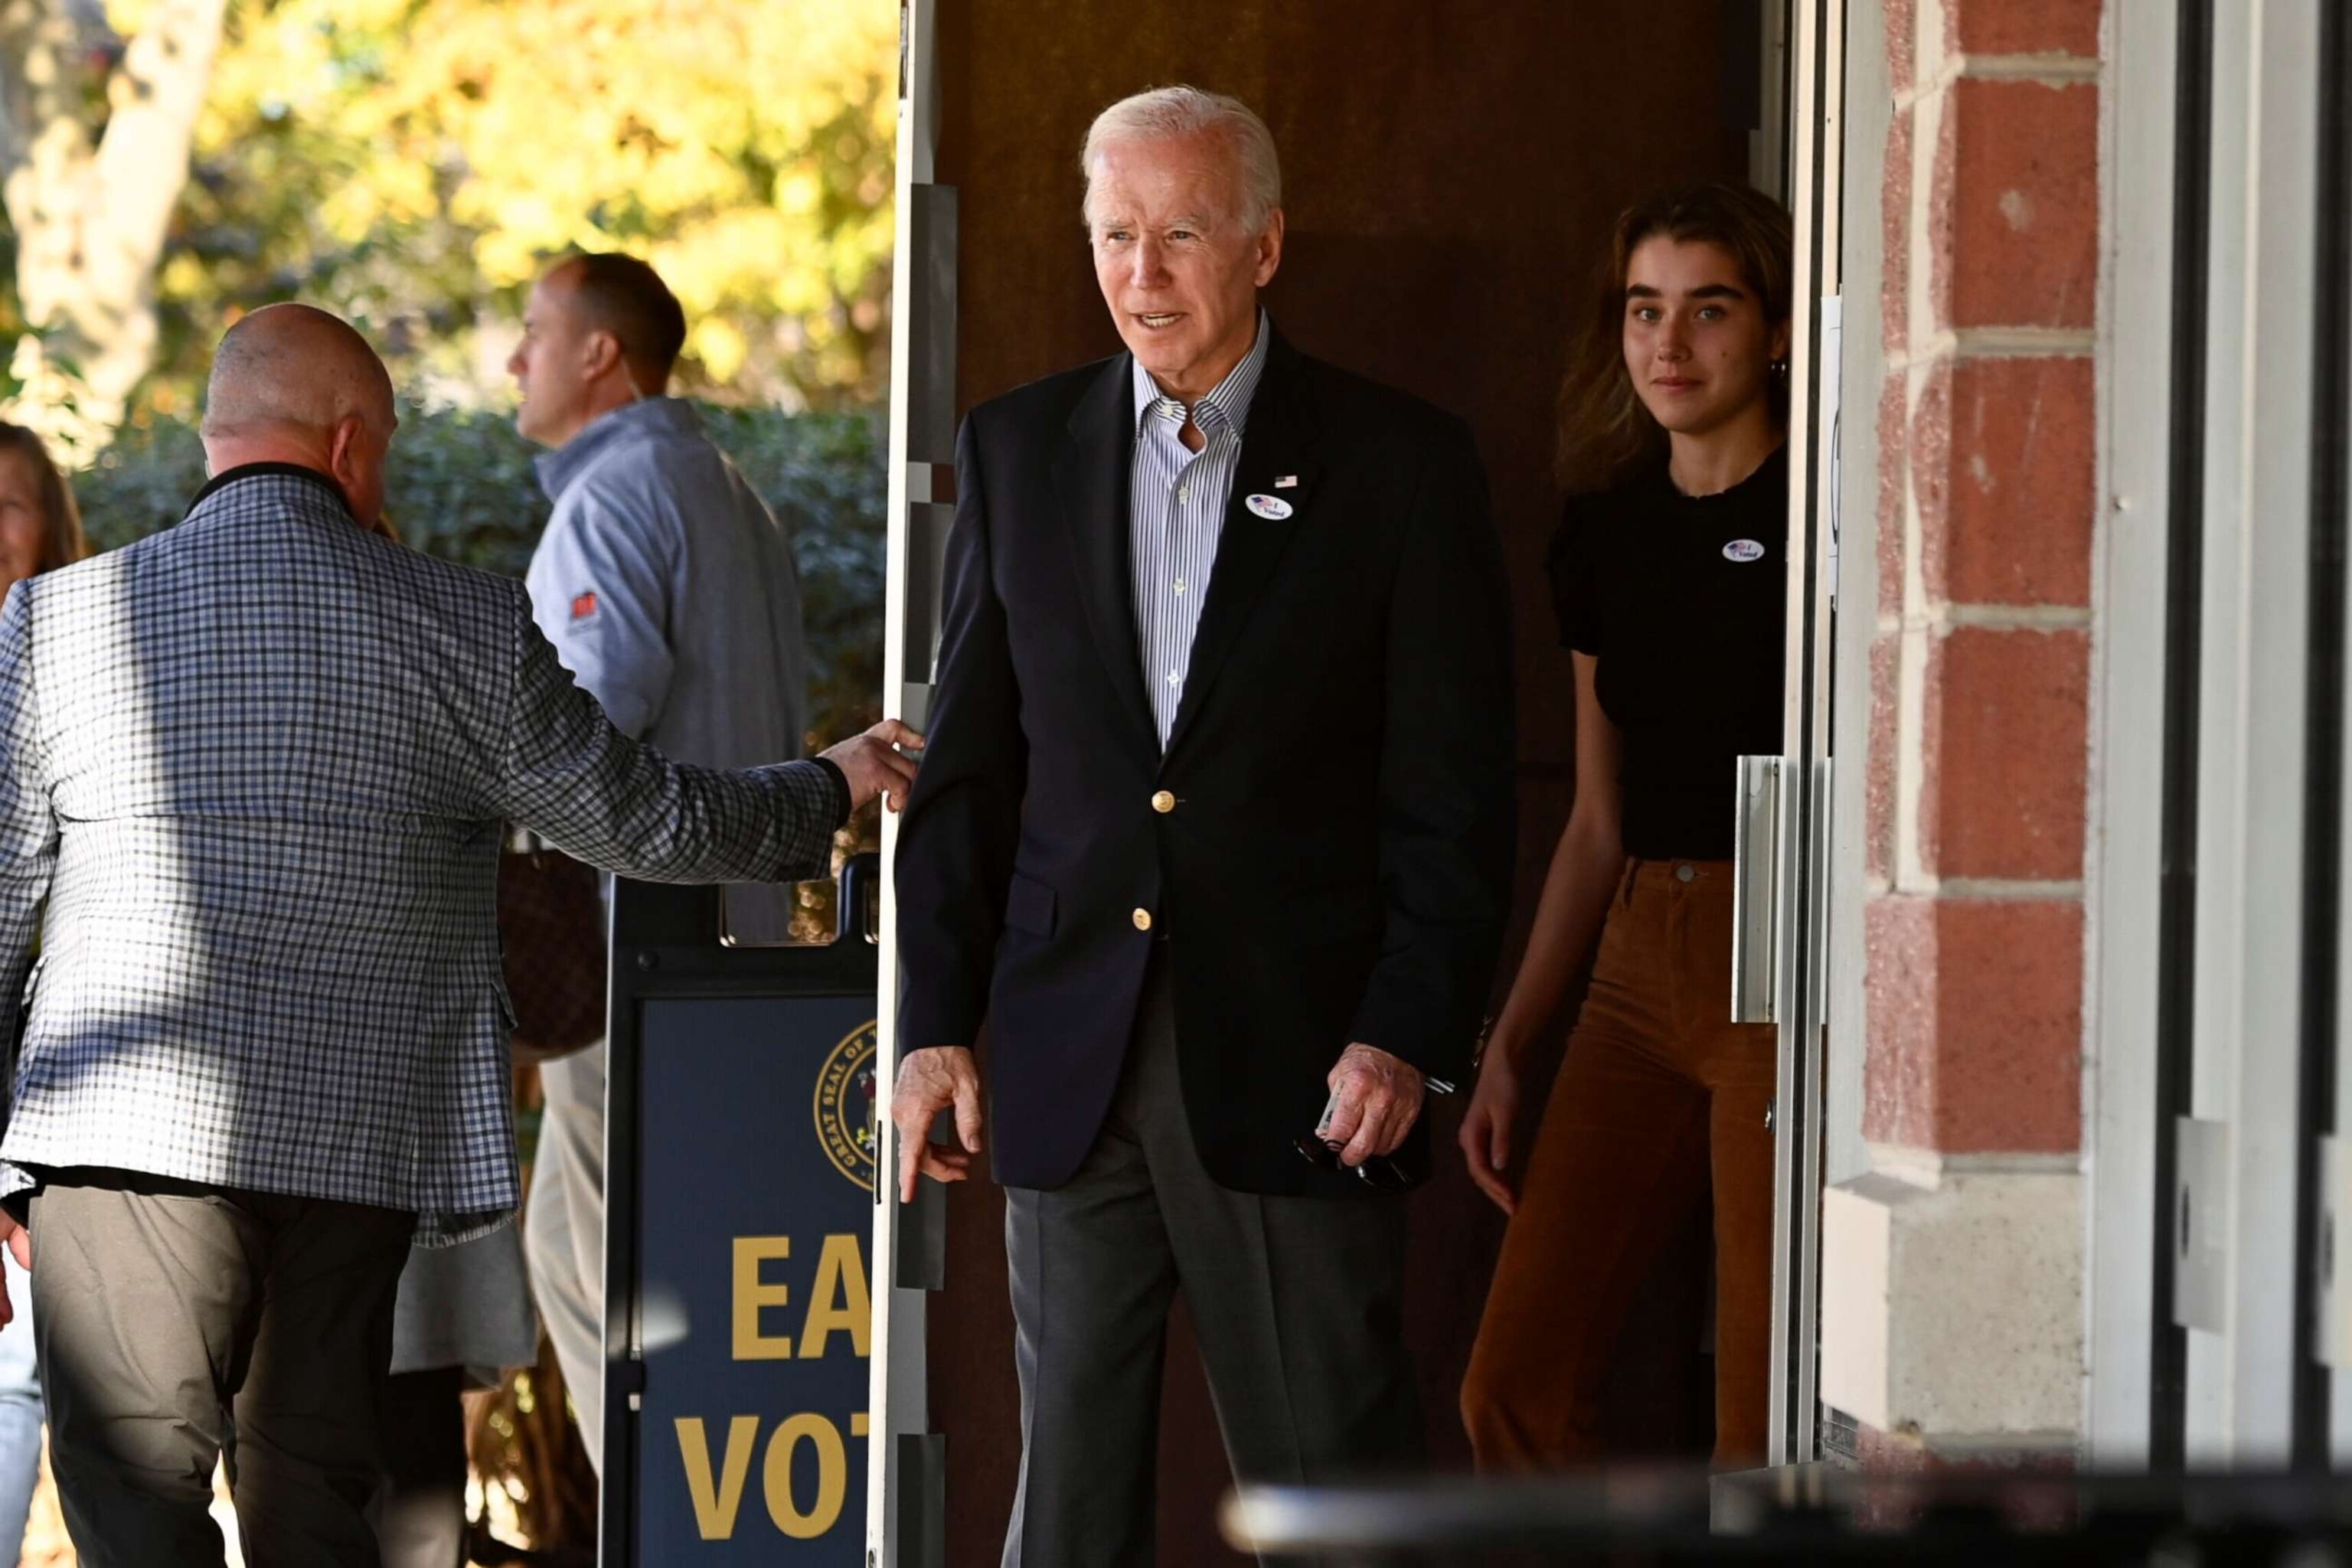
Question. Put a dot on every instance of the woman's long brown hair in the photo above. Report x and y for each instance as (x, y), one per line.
(1606, 436)
(62, 541)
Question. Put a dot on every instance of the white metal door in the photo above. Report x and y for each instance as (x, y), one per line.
(905, 1470)
(1787, 915)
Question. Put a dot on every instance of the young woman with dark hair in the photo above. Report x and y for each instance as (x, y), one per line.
(1669, 575)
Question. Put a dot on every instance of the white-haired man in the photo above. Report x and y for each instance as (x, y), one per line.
(1214, 830)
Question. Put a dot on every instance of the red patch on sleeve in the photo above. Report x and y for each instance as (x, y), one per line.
(582, 606)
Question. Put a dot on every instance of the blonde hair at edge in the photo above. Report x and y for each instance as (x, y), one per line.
(1174, 113)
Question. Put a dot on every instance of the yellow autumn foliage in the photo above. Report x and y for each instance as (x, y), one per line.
(417, 162)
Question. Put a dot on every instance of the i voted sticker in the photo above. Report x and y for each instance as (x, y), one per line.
(1274, 509)
(1743, 550)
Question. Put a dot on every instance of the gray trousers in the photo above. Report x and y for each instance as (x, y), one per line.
(1298, 1303)
(174, 1324)
(462, 1310)
(419, 1509)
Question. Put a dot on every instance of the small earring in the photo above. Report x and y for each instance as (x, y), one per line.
(1779, 367)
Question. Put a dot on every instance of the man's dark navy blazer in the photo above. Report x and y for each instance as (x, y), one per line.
(1335, 863)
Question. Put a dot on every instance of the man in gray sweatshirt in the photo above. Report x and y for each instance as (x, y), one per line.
(668, 590)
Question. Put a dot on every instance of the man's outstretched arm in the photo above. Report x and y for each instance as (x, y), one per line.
(568, 775)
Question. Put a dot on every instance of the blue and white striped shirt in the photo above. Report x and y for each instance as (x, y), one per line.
(1178, 503)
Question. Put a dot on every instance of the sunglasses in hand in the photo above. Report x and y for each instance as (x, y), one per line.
(1379, 1170)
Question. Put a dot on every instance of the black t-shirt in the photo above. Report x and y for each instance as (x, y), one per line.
(1684, 601)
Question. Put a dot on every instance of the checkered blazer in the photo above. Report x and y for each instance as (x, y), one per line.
(259, 765)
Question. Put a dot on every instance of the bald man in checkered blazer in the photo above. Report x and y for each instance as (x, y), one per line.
(259, 765)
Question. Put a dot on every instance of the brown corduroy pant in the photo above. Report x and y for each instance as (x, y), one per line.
(1660, 1105)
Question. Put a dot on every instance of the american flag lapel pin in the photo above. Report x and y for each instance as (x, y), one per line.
(1286, 481)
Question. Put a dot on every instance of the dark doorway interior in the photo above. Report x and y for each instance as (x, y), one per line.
(1450, 173)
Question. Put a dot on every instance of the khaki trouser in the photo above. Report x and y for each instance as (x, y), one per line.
(564, 1234)
(1659, 1108)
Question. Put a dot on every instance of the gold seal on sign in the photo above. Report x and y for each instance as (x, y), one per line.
(844, 1106)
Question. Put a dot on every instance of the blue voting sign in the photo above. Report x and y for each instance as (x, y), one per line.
(755, 1193)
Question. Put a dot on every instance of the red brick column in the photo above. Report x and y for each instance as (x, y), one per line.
(1987, 512)
(1980, 659)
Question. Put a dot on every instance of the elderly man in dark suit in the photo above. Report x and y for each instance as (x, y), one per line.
(1214, 831)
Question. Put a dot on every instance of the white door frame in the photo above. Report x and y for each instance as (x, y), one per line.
(1801, 994)
(899, 1398)
(2124, 874)
(2257, 521)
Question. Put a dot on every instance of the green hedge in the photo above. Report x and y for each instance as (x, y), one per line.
(461, 486)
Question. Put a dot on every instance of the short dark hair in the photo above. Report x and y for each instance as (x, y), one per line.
(628, 299)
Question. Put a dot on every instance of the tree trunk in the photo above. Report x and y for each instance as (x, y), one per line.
(94, 140)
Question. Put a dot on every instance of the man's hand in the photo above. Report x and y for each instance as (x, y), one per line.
(1375, 1099)
(930, 1081)
(873, 768)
